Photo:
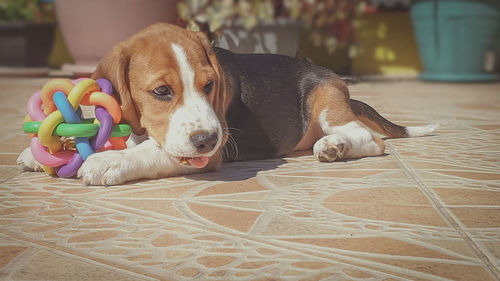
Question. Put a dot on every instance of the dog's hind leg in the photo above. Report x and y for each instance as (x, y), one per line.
(344, 136)
(351, 140)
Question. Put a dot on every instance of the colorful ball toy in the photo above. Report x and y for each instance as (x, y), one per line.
(61, 138)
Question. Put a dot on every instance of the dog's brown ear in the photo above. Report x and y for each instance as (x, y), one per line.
(221, 100)
(114, 66)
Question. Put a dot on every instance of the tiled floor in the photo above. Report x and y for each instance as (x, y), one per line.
(427, 210)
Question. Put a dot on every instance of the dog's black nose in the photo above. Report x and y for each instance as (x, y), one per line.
(204, 141)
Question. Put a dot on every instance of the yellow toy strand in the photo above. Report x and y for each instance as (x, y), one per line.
(49, 170)
(45, 132)
(81, 89)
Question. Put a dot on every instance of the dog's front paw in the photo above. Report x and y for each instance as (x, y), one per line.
(330, 148)
(27, 161)
(105, 168)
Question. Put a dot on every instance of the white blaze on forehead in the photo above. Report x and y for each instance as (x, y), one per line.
(186, 72)
(193, 100)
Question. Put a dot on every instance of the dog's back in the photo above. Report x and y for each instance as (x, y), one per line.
(269, 113)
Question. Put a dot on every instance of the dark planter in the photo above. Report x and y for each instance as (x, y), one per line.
(277, 37)
(456, 38)
(25, 44)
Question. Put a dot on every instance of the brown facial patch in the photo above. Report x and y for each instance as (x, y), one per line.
(152, 68)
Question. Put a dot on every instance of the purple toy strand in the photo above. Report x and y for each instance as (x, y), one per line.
(70, 169)
(104, 118)
(104, 130)
(105, 85)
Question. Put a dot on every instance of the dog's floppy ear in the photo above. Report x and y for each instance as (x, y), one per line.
(114, 66)
(221, 99)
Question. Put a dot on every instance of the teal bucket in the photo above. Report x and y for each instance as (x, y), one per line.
(457, 39)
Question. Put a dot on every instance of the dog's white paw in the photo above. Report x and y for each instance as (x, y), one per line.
(104, 168)
(27, 161)
(330, 148)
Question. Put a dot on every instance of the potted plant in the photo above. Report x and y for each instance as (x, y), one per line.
(92, 27)
(232, 23)
(26, 32)
(457, 39)
(389, 47)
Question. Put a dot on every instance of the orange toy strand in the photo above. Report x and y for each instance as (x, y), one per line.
(106, 101)
(50, 88)
(118, 143)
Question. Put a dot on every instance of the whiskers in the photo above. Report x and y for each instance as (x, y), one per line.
(185, 152)
(231, 146)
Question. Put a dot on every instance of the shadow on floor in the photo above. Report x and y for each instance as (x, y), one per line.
(236, 171)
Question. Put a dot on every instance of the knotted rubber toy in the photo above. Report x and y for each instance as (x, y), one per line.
(62, 139)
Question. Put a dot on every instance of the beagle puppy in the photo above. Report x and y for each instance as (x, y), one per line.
(196, 106)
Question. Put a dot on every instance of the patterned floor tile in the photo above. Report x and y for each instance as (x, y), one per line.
(427, 210)
(46, 265)
(8, 253)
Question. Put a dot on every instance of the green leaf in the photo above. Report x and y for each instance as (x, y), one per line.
(361, 7)
(215, 23)
(295, 9)
(331, 44)
(183, 11)
(266, 11)
(354, 51)
(249, 21)
(203, 18)
(193, 26)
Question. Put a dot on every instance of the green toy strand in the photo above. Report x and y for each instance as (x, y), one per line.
(86, 129)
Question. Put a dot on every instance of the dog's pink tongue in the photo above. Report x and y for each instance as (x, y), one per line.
(199, 162)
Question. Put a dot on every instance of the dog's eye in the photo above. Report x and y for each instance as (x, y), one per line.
(163, 93)
(208, 87)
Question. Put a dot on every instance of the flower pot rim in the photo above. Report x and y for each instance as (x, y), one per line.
(23, 24)
(277, 22)
(459, 77)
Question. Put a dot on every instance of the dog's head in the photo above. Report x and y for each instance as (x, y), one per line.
(170, 86)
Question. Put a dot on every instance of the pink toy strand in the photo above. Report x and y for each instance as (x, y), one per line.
(34, 107)
(45, 158)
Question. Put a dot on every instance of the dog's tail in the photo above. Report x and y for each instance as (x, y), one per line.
(379, 124)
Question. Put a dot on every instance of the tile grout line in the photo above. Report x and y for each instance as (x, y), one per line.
(18, 262)
(4, 181)
(443, 211)
(81, 256)
(283, 245)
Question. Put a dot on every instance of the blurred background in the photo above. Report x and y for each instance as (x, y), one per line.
(440, 40)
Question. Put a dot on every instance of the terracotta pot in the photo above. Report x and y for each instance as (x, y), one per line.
(92, 27)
